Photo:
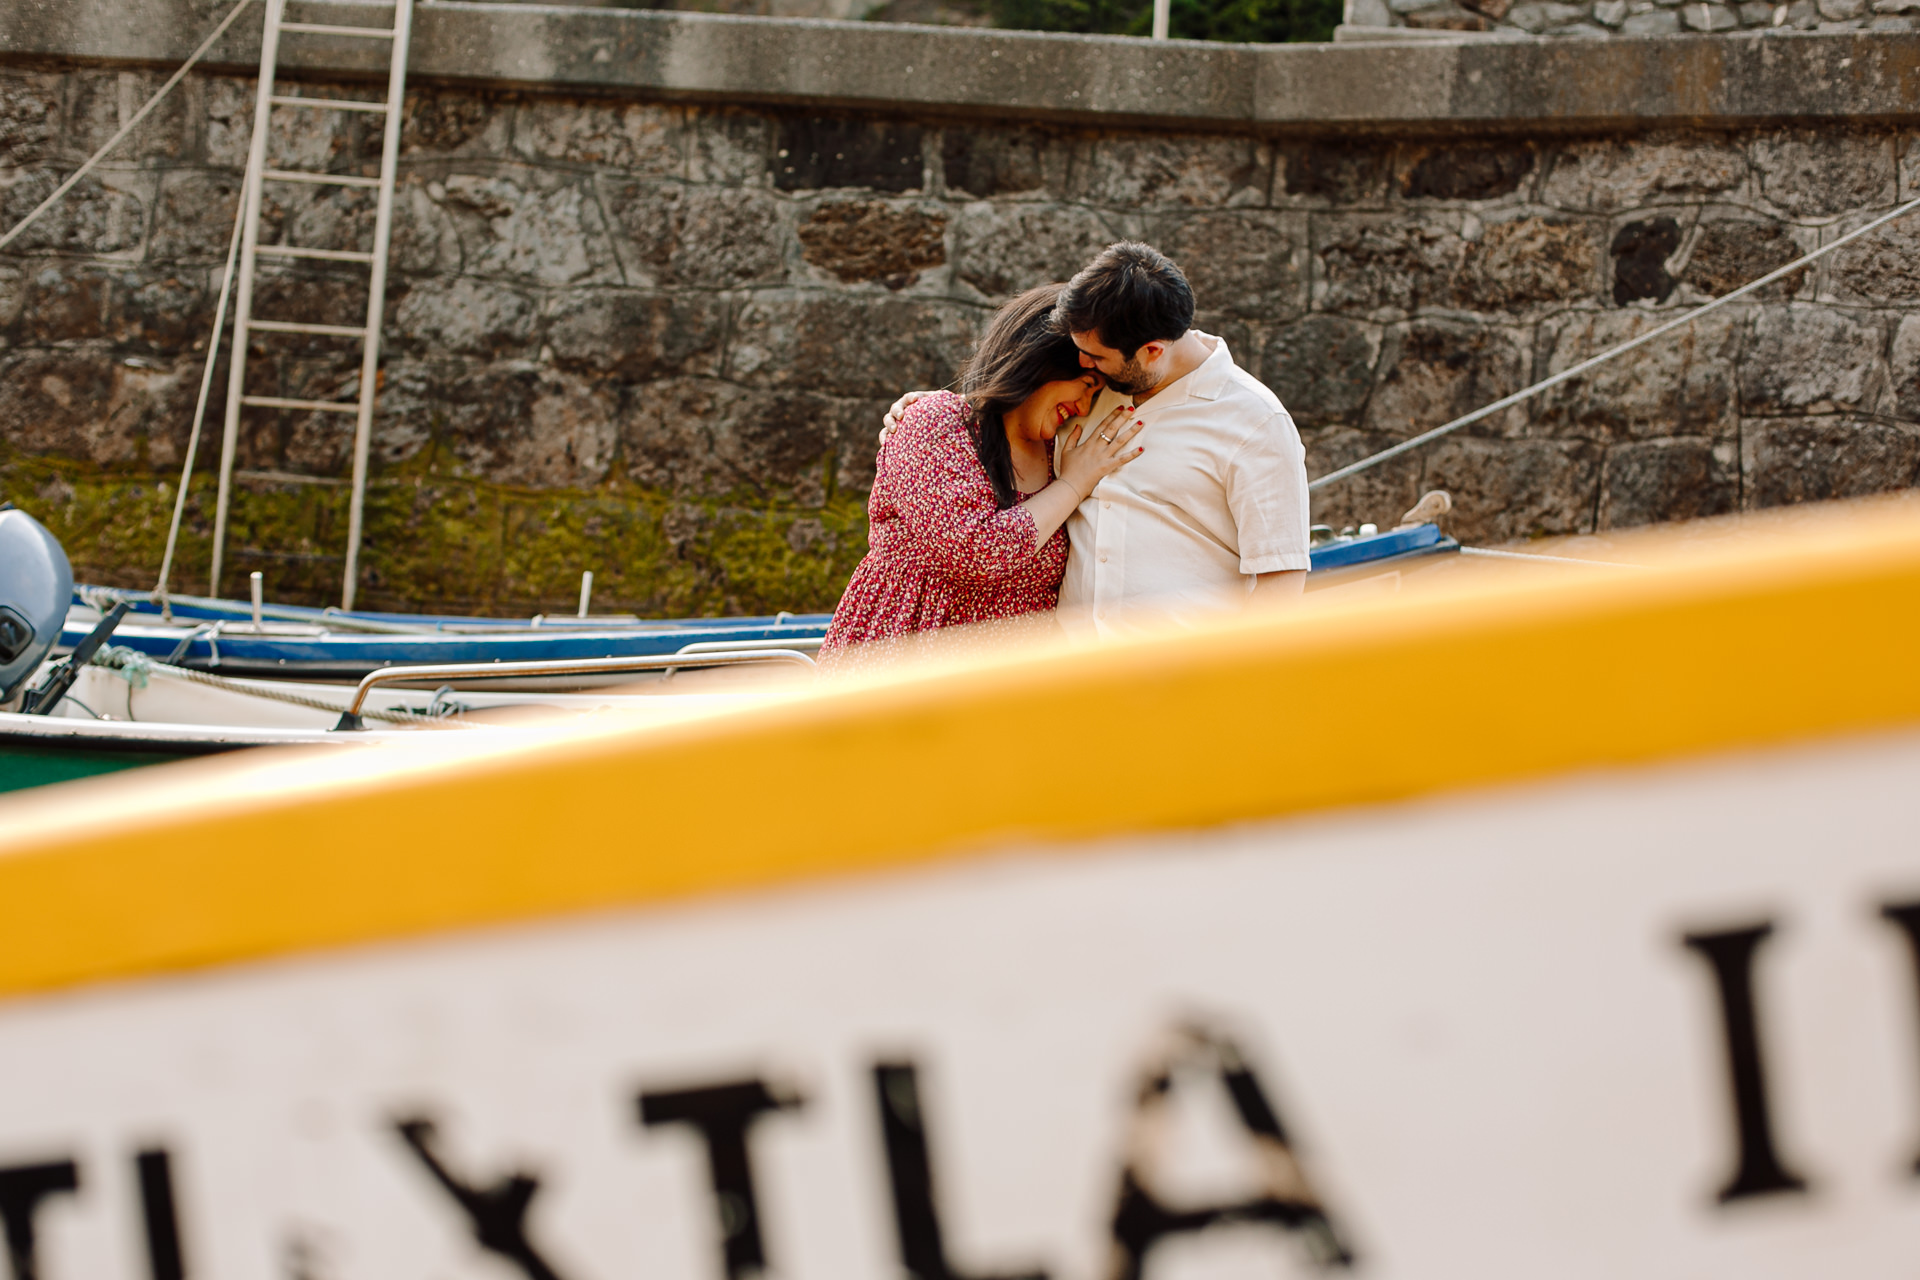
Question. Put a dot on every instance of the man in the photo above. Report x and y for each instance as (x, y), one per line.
(1213, 516)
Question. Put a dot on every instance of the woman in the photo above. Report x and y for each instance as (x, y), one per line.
(967, 512)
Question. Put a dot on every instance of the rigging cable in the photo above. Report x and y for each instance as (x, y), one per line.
(1407, 446)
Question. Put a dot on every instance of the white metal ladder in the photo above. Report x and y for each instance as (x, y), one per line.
(251, 250)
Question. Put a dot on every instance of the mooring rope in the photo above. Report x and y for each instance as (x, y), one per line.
(126, 128)
(135, 668)
(1407, 446)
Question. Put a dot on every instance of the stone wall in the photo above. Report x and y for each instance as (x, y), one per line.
(1589, 19)
(654, 339)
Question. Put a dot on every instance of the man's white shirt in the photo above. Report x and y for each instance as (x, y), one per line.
(1178, 533)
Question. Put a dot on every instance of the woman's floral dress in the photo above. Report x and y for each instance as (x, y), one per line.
(941, 553)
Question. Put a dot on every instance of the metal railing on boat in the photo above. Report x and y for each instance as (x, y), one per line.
(737, 656)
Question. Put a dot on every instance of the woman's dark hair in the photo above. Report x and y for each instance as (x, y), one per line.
(1128, 296)
(1019, 354)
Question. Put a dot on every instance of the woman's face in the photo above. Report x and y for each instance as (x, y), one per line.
(1055, 404)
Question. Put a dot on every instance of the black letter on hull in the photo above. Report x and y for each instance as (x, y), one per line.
(1731, 956)
(910, 1171)
(722, 1114)
(22, 1188)
(1906, 917)
(1287, 1201)
(498, 1214)
(162, 1220)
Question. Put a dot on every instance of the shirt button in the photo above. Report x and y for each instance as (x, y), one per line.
(1106, 506)
(1103, 559)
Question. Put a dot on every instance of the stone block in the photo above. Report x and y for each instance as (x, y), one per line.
(1652, 481)
(1524, 261)
(864, 240)
(1374, 262)
(66, 302)
(1478, 172)
(311, 139)
(105, 213)
(510, 422)
(460, 315)
(1812, 360)
(1370, 263)
(1819, 459)
(637, 336)
(1684, 384)
(1247, 262)
(700, 436)
(1536, 17)
(731, 148)
(103, 102)
(1699, 16)
(1641, 251)
(1726, 255)
(1375, 496)
(1881, 267)
(194, 222)
(635, 137)
(13, 298)
(866, 347)
(1448, 18)
(86, 403)
(1001, 248)
(1602, 176)
(1757, 13)
(1505, 490)
(532, 224)
(704, 237)
(1905, 368)
(1433, 371)
(310, 295)
(29, 115)
(812, 152)
(1655, 22)
(1146, 171)
(1322, 368)
(229, 108)
(1345, 172)
(160, 311)
(1815, 174)
(1610, 13)
(439, 121)
(985, 162)
(1841, 10)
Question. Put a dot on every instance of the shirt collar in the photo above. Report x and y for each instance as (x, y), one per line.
(1203, 383)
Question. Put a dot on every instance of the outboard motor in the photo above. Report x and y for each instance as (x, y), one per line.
(36, 586)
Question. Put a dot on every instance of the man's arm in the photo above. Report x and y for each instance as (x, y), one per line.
(1279, 587)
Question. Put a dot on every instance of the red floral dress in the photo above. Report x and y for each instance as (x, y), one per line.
(941, 554)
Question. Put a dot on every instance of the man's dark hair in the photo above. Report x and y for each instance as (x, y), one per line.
(1128, 296)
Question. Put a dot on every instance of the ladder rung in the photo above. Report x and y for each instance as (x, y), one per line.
(322, 29)
(276, 402)
(320, 179)
(294, 326)
(330, 104)
(293, 251)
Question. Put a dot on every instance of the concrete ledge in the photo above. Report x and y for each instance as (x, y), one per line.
(1438, 85)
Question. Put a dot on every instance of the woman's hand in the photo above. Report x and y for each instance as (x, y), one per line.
(1087, 458)
(899, 408)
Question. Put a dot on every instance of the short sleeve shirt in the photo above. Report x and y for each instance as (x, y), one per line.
(1219, 496)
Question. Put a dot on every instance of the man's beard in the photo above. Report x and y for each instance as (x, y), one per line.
(1132, 379)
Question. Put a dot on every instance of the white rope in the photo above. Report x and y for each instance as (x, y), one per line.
(200, 407)
(126, 128)
(1407, 446)
(135, 667)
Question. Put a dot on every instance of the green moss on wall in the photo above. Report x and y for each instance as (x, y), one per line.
(440, 544)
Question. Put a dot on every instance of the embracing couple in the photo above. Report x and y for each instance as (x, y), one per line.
(1102, 456)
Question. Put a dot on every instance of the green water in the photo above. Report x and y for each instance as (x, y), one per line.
(25, 766)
